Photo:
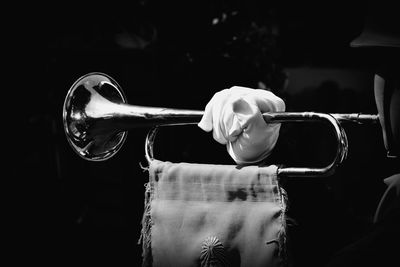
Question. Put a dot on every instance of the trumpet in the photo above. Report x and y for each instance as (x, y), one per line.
(97, 118)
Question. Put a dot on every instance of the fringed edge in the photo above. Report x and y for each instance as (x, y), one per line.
(282, 232)
(145, 234)
(144, 168)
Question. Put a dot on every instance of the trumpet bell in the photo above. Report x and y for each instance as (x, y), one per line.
(88, 110)
(96, 119)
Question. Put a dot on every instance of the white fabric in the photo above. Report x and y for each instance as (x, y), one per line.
(235, 117)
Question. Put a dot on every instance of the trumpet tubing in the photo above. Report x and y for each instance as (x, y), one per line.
(97, 117)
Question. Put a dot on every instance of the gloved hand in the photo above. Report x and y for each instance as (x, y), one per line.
(235, 117)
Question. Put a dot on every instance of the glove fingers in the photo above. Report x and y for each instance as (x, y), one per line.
(206, 122)
(266, 101)
(241, 112)
(235, 117)
(258, 139)
(235, 129)
(210, 119)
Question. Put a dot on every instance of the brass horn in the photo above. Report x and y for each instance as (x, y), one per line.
(96, 118)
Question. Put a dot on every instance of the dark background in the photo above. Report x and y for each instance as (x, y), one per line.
(178, 54)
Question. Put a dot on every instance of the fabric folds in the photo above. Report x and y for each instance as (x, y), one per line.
(213, 215)
(235, 118)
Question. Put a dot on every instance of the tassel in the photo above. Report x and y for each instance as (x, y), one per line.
(145, 235)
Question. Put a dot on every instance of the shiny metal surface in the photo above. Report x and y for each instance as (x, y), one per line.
(328, 119)
(89, 115)
(96, 119)
(96, 116)
(340, 135)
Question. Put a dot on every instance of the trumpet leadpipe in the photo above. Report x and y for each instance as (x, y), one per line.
(97, 117)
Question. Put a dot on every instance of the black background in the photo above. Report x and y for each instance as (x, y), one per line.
(169, 53)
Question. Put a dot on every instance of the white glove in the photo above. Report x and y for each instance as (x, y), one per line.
(235, 117)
